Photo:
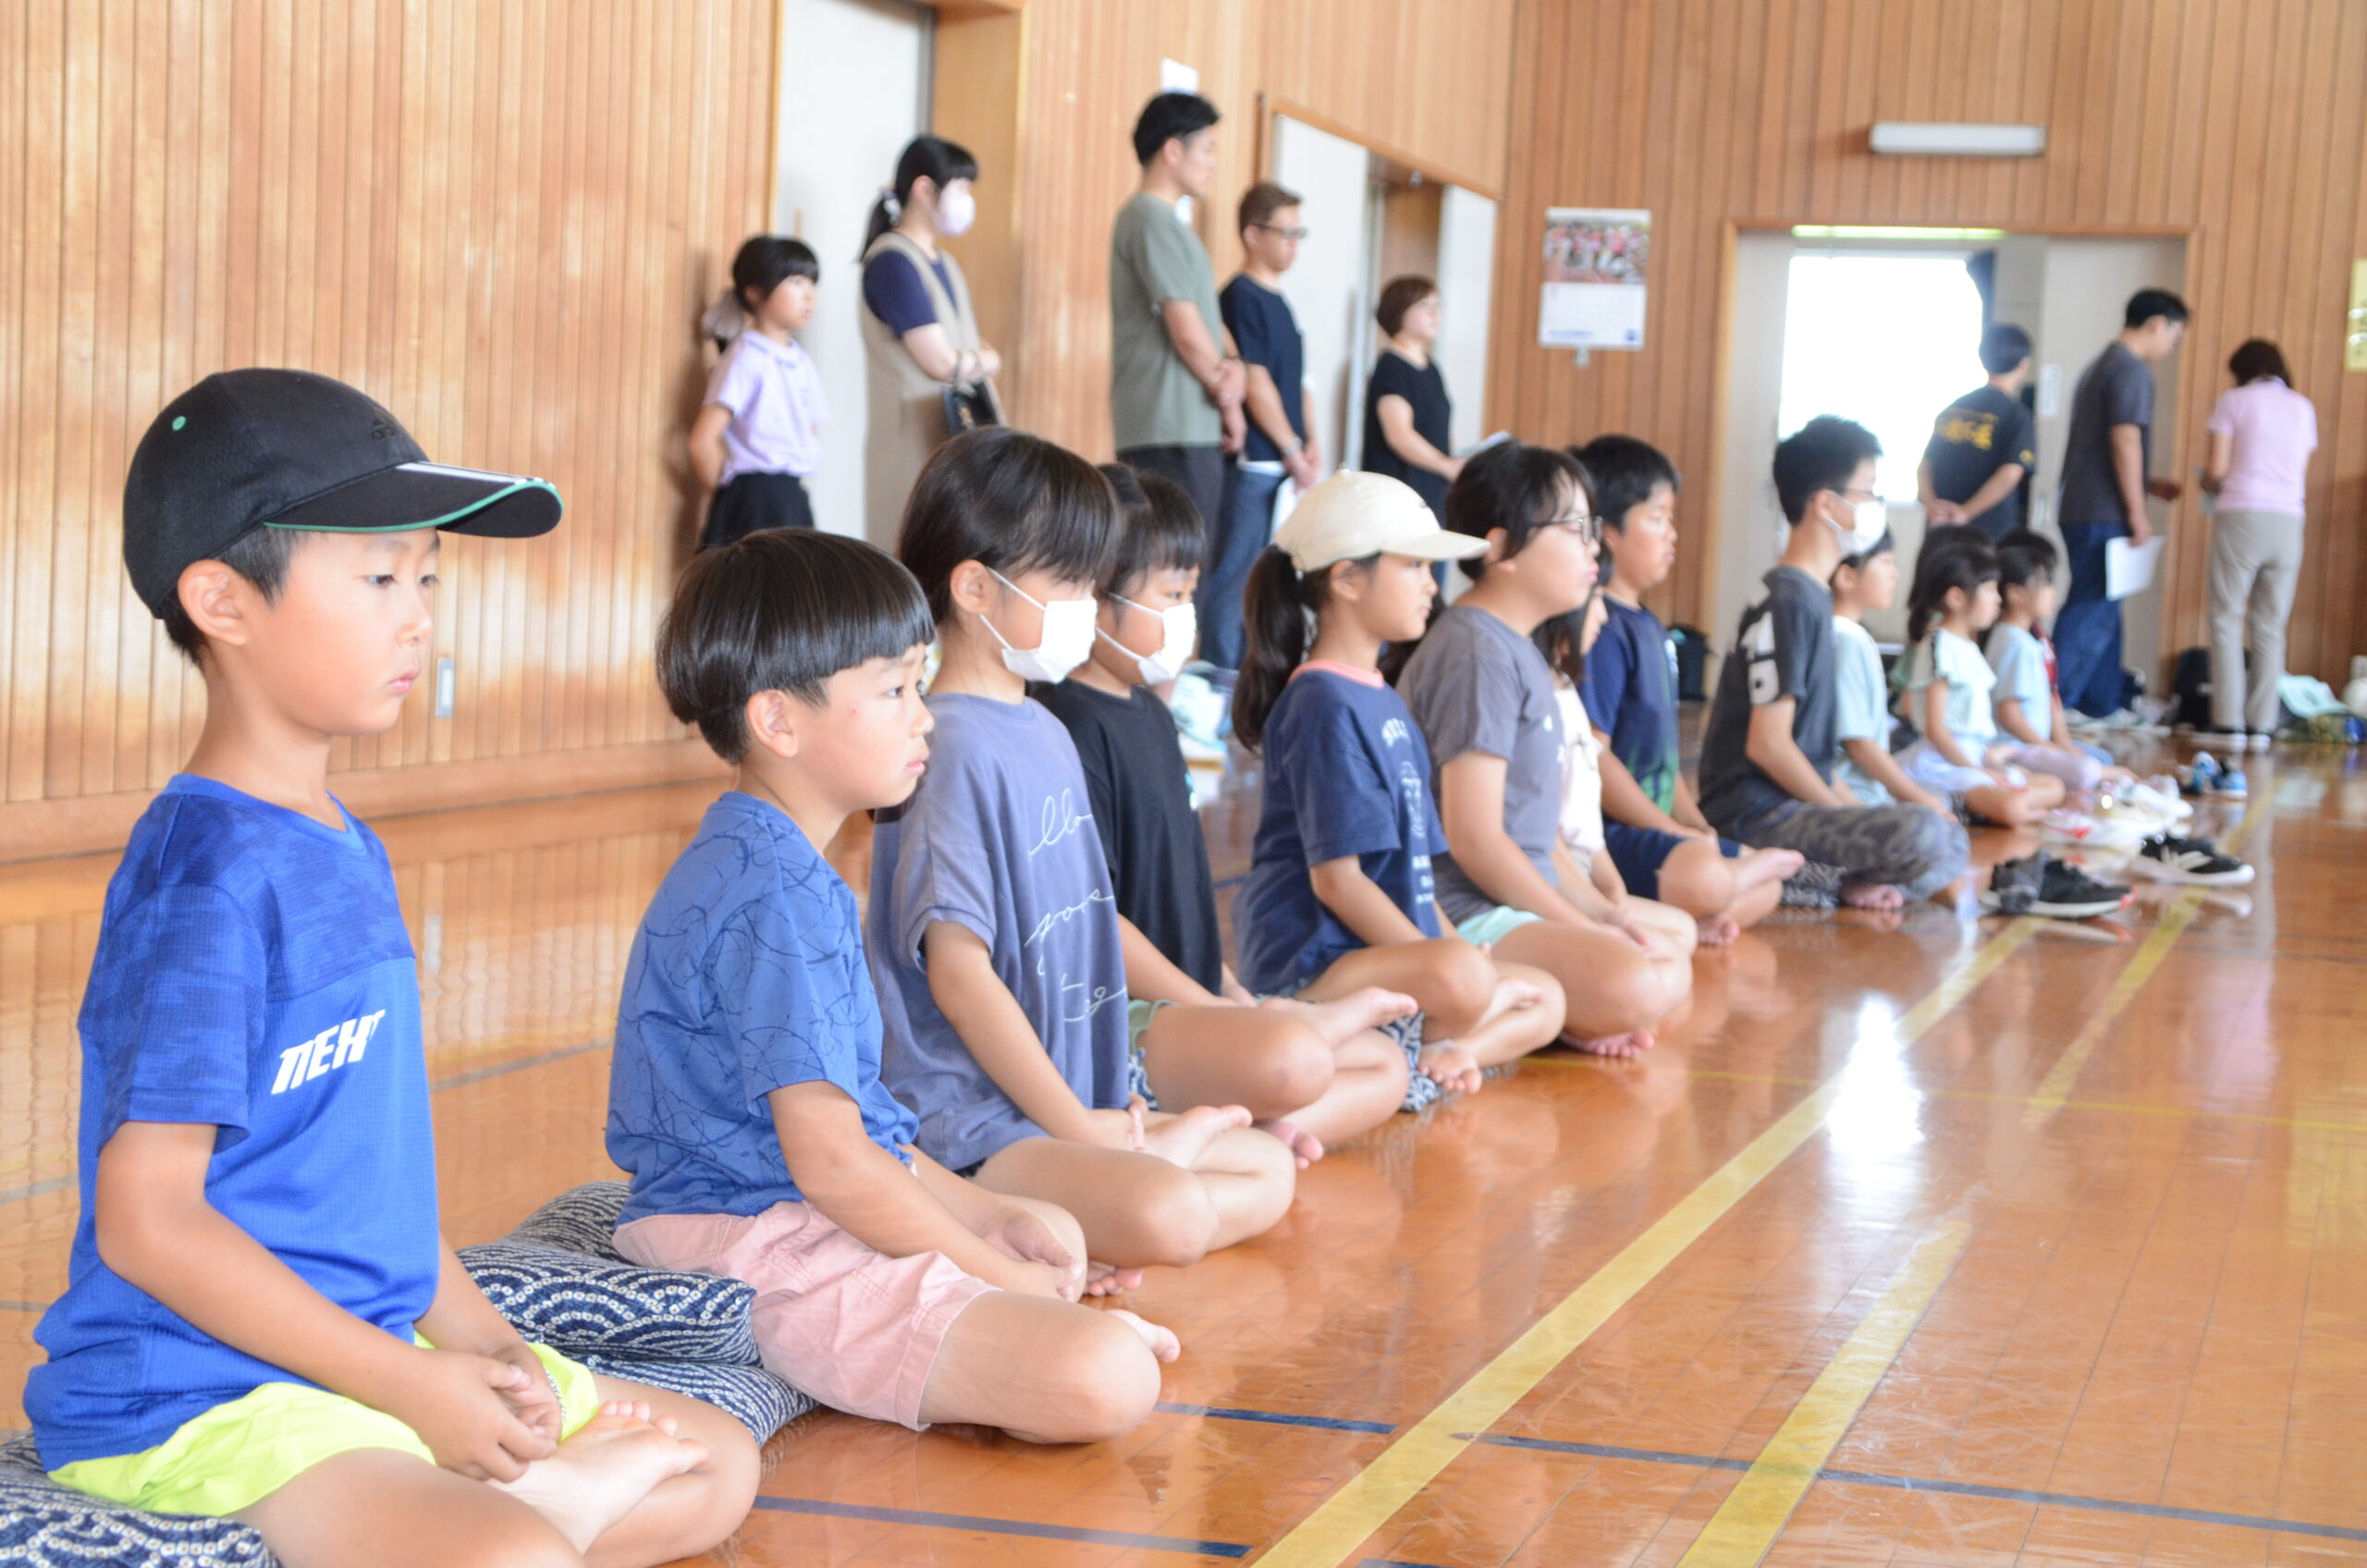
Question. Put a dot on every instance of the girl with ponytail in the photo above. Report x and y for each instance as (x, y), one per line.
(924, 357)
(1948, 683)
(1339, 894)
(758, 434)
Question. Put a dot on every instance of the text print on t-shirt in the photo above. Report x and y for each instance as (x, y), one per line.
(341, 1045)
(1418, 836)
(1079, 1000)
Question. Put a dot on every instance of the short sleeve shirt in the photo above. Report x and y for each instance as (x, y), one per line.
(1860, 710)
(2272, 430)
(1266, 334)
(2018, 660)
(1154, 399)
(1957, 662)
(1476, 685)
(1631, 691)
(2117, 388)
(1140, 790)
(777, 410)
(999, 838)
(253, 974)
(747, 976)
(892, 290)
(1425, 389)
(1783, 648)
(1347, 773)
(1974, 437)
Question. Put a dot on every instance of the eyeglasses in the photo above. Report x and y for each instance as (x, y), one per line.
(1296, 231)
(1586, 528)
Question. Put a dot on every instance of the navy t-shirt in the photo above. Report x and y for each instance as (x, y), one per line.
(1973, 437)
(1425, 389)
(999, 838)
(893, 291)
(747, 976)
(254, 975)
(1346, 774)
(1266, 334)
(1782, 649)
(1631, 691)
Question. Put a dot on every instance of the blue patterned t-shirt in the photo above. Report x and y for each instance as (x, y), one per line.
(746, 976)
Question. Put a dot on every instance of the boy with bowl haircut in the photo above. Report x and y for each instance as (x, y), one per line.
(745, 1100)
(261, 1321)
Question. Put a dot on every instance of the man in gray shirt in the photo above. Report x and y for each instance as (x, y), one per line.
(1175, 382)
(2104, 488)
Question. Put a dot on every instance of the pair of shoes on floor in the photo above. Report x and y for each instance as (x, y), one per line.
(2039, 883)
(2156, 797)
(2173, 857)
(2211, 780)
(2233, 740)
(2070, 829)
(2123, 720)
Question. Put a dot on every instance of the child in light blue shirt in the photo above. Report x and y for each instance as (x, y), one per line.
(1947, 690)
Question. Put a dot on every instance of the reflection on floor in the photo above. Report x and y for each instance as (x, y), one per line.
(1957, 1242)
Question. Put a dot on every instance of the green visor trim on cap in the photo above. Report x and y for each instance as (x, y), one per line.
(443, 521)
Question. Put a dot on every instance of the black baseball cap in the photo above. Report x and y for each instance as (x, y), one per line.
(245, 449)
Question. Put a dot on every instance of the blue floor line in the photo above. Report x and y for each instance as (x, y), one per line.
(1001, 1526)
(1278, 1418)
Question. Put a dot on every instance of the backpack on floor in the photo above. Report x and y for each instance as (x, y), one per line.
(2191, 689)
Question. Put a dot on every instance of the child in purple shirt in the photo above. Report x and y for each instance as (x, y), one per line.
(759, 434)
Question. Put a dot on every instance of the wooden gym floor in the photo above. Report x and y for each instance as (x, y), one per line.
(1968, 1242)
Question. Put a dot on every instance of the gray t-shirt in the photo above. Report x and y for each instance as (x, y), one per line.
(1476, 685)
(1000, 837)
(1154, 399)
(2117, 388)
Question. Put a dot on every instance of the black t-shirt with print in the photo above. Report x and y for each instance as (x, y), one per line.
(1974, 437)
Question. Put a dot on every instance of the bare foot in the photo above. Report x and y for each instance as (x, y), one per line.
(1162, 1342)
(1877, 896)
(1755, 866)
(603, 1473)
(1100, 1280)
(1342, 1018)
(1304, 1147)
(1452, 1068)
(1715, 930)
(1635, 1042)
(1181, 1139)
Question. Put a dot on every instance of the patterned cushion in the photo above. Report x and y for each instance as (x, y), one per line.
(573, 1303)
(44, 1524)
(580, 1219)
(759, 1401)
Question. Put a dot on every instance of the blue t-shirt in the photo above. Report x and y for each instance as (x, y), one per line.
(1860, 705)
(746, 976)
(893, 291)
(253, 974)
(2020, 662)
(1266, 334)
(1347, 773)
(999, 838)
(1631, 693)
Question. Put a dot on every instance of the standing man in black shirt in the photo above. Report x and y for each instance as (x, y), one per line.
(1983, 446)
(1277, 446)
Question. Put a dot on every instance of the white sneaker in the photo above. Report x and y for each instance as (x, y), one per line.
(2078, 830)
(2259, 741)
(2158, 797)
(2196, 861)
(2218, 739)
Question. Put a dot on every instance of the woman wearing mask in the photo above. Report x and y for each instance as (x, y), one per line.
(920, 332)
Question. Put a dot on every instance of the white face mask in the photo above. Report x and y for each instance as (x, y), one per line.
(1068, 638)
(1871, 520)
(1180, 628)
(956, 209)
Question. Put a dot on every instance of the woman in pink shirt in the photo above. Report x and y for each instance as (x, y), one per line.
(2261, 435)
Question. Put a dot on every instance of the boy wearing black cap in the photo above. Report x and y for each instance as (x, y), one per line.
(263, 1319)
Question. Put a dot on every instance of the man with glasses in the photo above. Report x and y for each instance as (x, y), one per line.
(1277, 446)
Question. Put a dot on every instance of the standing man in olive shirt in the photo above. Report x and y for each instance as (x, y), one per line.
(1176, 384)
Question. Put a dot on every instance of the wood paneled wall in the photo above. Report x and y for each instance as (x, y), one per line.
(499, 217)
(1422, 80)
(2243, 121)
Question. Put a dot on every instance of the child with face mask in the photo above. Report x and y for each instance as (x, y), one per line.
(1309, 1085)
(1770, 751)
(994, 934)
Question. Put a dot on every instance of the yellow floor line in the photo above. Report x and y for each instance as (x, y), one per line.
(2055, 1089)
(1340, 1524)
(1755, 1513)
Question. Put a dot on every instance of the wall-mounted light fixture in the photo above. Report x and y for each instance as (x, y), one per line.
(1910, 139)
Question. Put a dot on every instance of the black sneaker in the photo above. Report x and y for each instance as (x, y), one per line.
(2039, 883)
(2170, 857)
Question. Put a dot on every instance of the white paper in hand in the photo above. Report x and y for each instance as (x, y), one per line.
(2128, 569)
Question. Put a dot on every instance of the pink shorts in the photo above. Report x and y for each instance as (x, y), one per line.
(854, 1328)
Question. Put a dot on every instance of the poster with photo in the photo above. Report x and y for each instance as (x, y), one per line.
(1596, 261)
